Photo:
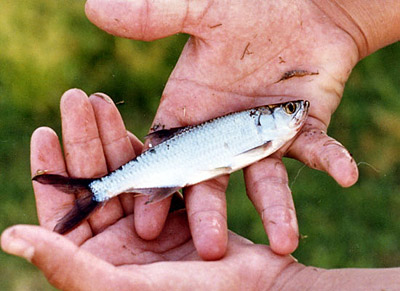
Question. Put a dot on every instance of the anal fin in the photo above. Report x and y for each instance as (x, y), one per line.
(156, 194)
(222, 171)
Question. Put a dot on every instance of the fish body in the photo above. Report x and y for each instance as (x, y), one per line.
(189, 155)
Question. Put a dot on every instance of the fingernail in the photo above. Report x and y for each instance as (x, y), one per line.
(17, 246)
(104, 97)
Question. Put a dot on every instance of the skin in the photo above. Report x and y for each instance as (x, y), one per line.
(240, 57)
(106, 253)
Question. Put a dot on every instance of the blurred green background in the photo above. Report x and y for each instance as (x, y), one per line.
(47, 47)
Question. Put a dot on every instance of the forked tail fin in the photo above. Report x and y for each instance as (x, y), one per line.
(84, 204)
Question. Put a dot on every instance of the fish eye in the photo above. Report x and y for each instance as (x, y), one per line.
(290, 107)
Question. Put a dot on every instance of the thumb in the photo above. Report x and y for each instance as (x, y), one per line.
(319, 151)
(64, 264)
(144, 19)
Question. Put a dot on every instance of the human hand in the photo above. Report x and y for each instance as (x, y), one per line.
(244, 54)
(117, 259)
(105, 251)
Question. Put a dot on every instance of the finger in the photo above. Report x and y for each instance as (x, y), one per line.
(136, 143)
(267, 187)
(127, 199)
(65, 265)
(117, 146)
(150, 218)
(317, 150)
(46, 156)
(84, 151)
(206, 208)
(145, 20)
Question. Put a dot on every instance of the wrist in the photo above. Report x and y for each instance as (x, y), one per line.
(372, 24)
(298, 277)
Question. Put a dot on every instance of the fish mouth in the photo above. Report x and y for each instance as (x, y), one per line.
(302, 112)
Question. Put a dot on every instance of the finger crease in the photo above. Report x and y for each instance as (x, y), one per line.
(215, 185)
(82, 140)
(208, 211)
(115, 140)
(259, 183)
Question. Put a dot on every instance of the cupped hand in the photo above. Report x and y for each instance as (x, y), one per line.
(243, 54)
(117, 259)
(105, 252)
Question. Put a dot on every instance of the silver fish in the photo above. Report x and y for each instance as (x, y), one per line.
(187, 156)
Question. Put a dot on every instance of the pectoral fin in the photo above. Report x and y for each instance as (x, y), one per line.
(250, 156)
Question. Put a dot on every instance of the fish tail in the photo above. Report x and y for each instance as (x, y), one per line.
(83, 207)
(84, 204)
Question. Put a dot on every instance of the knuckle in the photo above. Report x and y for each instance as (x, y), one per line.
(217, 185)
(265, 181)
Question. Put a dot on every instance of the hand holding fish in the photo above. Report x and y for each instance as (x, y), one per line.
(240, 55)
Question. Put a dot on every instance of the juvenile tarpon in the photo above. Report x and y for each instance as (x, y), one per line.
(180, 157)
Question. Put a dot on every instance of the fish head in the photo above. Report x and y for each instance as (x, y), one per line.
(293, 113)
(284, 119)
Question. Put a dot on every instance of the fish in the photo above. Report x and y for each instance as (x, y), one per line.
(180, 157)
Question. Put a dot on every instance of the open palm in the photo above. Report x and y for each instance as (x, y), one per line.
(243, 54)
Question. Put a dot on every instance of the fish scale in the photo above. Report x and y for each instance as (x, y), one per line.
(197, 153)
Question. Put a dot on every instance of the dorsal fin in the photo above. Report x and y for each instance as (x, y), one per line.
(156, 137)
